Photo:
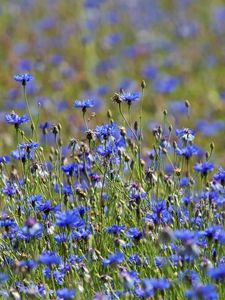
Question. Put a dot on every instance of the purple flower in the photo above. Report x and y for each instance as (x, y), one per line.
(23, 78)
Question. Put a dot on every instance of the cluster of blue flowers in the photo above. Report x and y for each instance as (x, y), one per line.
(132, 226)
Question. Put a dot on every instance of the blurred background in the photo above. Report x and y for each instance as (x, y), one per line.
(90, 49)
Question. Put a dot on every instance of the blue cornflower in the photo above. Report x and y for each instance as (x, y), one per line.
(134, 259)
(65, 293)
(9, 189)
(203, 292)
(28, 264)
(84, 104)
(49, 258)
(106, 130)
(69, 169)
(204, 167)
(24, 151)
(186, 134)
(157, 284)
(113, 259)
(5, 159)
(16, 120)
(69, 218)
(23, 78)
(187, 151)
(217, 273)
(220, 175)
(160, 213)
(31, 229)
(3, 277)
(46, 207)
(134, 233)
(7, 222)
(129, 97)
(115, 229)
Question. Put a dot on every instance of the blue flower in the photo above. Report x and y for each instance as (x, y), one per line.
(115, 229)
(113, 259)
(217, 273)
(84, 104)
(69, 218)
(203, 292)
(134, 233)
(23, 78)
(157, 284)
(220, 175)
(31, 229)
(49, 258)
(129, 97)
(185, 134)
(187, 151)
(9, 189)
(16, 120)
(65, 293)
(204, 167)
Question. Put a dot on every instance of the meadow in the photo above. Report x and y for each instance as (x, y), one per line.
(112, 176)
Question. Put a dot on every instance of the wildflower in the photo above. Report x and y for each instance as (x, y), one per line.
(129, 97)
(65, 293)
(115, 229)
(185, 134)
(23, 78)
(113, 259)
(134, 259)
(49, 258)
(187, 151)
(217, 273)
(160, 213)
(204, 167)
(16, 120)
(9, 189)
(220, 175)
(134, 233)
(3, 277)
(31, 229)
(157, 284)
(84, 104)
(202, 292)
(69, 218)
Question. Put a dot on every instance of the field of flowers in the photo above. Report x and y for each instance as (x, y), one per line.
(112, 175)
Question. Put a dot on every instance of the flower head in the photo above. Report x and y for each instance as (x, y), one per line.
(16, 120)
(84, 104)
(23, 78)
